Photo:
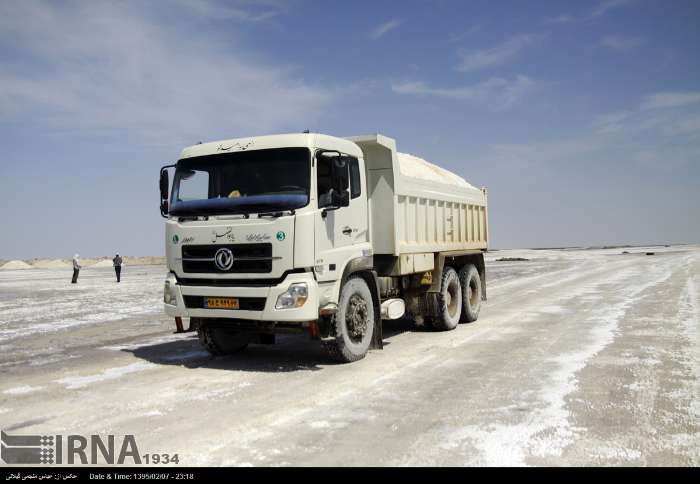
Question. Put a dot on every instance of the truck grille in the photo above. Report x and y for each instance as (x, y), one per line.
(247, 258)
(244, 303)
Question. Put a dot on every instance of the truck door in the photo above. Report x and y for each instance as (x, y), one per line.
(343, 233)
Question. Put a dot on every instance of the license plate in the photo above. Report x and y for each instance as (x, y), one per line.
(221, 303)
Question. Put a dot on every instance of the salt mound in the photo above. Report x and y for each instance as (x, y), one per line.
(50, 263)
(103, 263)
(14, 265)
(415, 167)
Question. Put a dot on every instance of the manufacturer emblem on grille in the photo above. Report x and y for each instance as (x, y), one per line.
(223, 259)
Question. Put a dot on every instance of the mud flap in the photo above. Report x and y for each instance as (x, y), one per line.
(377, 342)
(377, 339)
(194, 323)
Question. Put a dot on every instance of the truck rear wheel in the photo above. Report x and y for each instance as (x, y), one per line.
(353, 324)
(221, 341)
(471, 293)
(448, 307)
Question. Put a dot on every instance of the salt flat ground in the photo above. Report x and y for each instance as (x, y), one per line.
(580, 357)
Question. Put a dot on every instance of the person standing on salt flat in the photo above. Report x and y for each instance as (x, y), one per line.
(76, 269)
(117, 261)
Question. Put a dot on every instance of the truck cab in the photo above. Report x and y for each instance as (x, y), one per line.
(274, 234)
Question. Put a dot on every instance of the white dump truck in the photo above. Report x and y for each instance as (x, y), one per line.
(321, 235)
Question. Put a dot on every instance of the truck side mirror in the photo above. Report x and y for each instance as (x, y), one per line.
(164, 184)
(164, 187)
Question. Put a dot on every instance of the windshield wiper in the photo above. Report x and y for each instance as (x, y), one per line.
(276, 214)
(192, 218)
(226, 216)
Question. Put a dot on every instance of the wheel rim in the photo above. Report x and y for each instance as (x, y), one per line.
(452, 298)
(473, 293)
(356, 318)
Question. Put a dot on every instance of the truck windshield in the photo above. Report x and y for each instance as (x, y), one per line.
(242, 182)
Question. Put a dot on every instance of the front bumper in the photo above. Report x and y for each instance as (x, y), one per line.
(307, 312)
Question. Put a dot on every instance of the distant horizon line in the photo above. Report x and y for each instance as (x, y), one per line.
(564, 247)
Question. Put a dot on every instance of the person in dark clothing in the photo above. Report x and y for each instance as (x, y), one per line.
(117, 261)
(76, 269)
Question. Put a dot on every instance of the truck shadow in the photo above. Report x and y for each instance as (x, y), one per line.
(395, 327)
(289, 353)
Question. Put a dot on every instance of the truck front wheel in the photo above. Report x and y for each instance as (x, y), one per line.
(353, 324)
(221, 341)
(471, 293)
(448, 302)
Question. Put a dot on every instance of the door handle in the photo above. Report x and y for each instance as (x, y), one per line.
(347, 230)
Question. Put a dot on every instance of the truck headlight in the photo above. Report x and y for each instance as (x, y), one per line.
(169, 296)
(294, 297)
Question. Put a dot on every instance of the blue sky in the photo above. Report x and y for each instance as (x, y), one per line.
(582, 118)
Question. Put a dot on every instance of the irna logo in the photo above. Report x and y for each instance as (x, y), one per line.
(69, 449)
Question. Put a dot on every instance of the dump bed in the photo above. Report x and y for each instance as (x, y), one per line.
(417, 207)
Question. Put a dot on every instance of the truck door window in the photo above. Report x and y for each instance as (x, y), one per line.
(324, 181)
(355, 188)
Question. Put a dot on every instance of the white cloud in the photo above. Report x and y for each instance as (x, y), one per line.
(621, 43)
(607, 5)
(232, 9)
(499, 92)
(611, 122)
(667, 139)
(659, 116)
(690, 125)
(472, 60)
(601, 9)
(384, 28)
(670, 99)
(457, 37)
(560, 19)
(108, 67)
(530, 156)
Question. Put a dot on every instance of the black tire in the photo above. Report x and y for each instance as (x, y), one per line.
(471, 293)
(448, 307)
(221, 341)
(195, 323)
(353, 325)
